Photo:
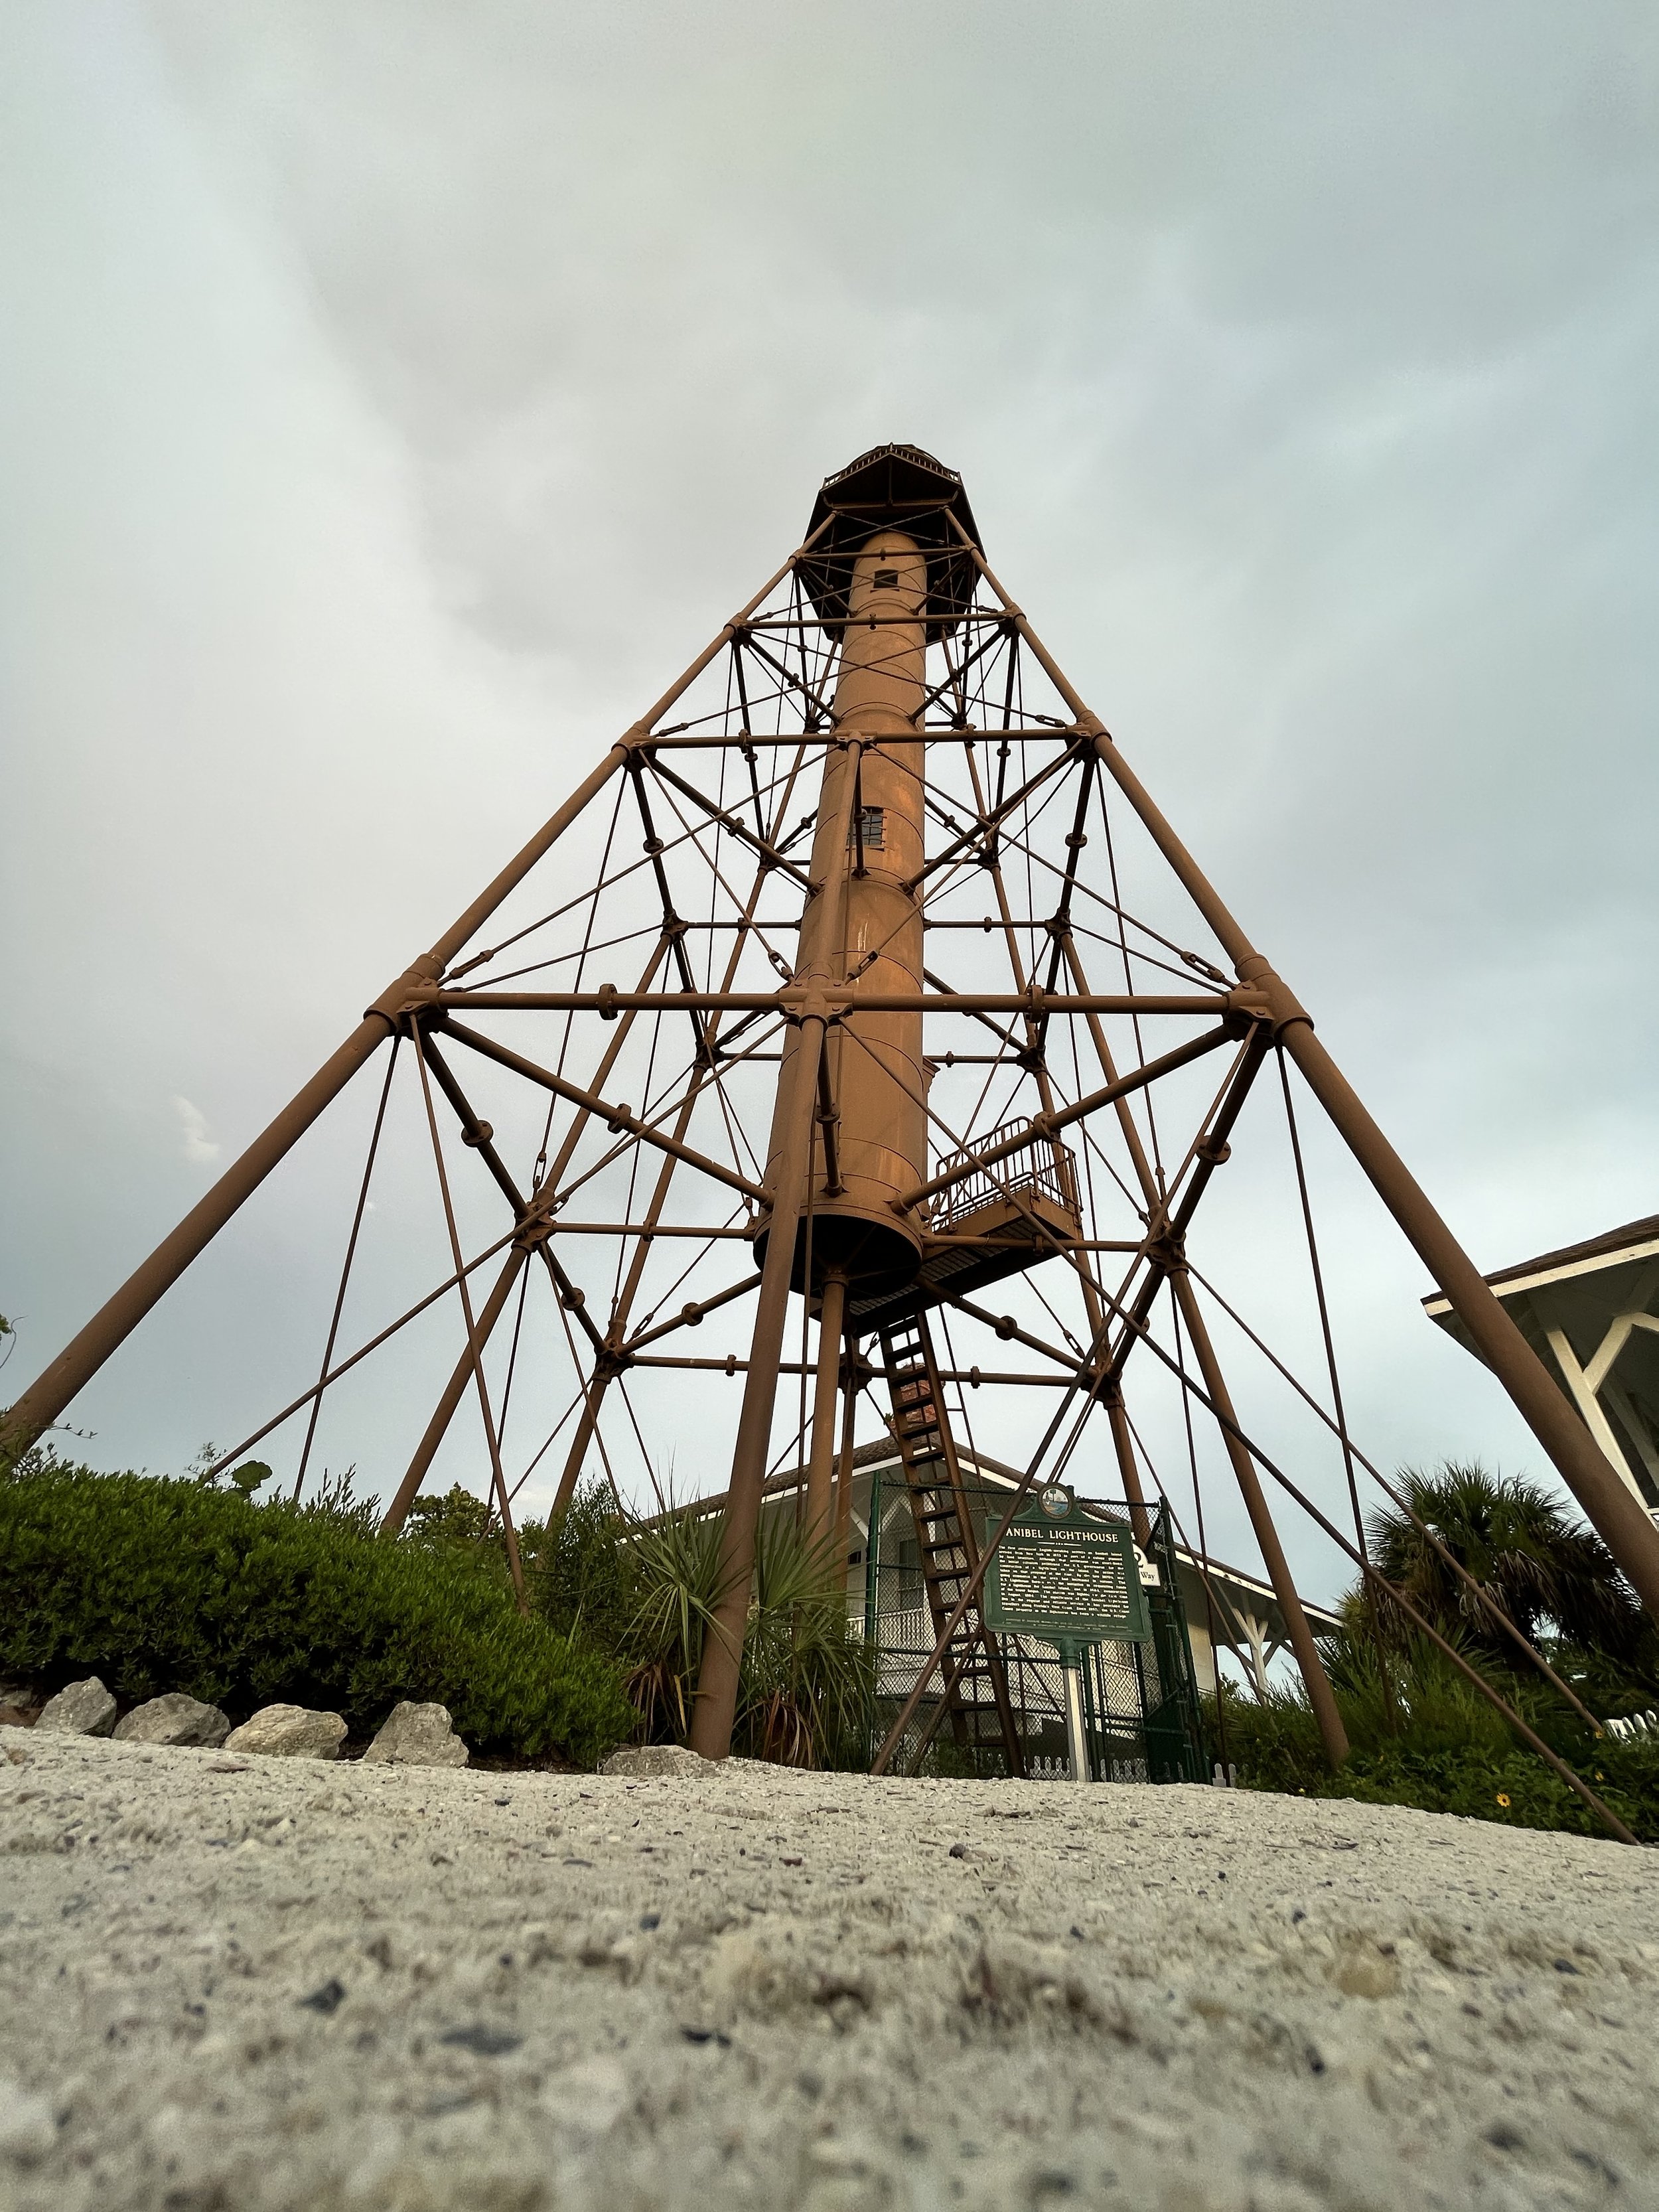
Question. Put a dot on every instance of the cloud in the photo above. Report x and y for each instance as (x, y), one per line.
(399, 396)
(195, 1144)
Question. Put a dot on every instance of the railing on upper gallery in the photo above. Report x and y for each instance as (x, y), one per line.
(1041, 1167)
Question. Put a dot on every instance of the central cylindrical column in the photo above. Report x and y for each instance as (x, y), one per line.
(864, 918)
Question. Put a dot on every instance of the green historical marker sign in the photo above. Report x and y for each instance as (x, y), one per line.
(1064, 1577)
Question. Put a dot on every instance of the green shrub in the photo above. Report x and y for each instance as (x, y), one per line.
(160, 1585)
(581, 1566)
(582, 1571)
(1450, 1750)
(456, 1518)
(1421, 1733)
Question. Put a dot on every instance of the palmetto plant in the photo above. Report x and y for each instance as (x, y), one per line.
(803, 1692)
(1422, 1700)
(1550, 1574)
(804, 1696)
(678, 1560)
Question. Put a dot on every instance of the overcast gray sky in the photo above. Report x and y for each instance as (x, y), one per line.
(396, 396)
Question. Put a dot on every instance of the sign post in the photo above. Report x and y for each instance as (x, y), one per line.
(1077, 1732)
(1062, 1576)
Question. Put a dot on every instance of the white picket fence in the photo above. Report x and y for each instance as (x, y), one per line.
(1639, 1727)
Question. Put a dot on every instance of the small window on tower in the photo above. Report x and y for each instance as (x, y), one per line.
(867, 829)
(886, 580)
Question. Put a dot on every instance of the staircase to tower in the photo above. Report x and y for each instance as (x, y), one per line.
(975, 1682)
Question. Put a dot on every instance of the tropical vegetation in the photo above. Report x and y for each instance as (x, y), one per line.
(1421, 1733)
(645, 1592)
(158, 1584)
(191, 1584)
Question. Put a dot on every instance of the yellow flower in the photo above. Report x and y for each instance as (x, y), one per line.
(1502, 1799)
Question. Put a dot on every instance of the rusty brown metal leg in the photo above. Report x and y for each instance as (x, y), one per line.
(454, 1390)
(80, 1360)
(1033, 1033)
(820, 1505)
(587, 1422)
(474, 1357)
(1628, 1533)
(1332, 1734)
(1624, 1527)
(1128, 1471)
(40, 1405)
(606, 1371)
(723, 1656)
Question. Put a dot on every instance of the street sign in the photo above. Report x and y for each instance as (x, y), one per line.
(1065, 1578)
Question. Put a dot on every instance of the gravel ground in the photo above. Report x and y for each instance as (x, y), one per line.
(285, 1983)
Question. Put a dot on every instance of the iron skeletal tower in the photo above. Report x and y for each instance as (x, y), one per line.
(925, 995)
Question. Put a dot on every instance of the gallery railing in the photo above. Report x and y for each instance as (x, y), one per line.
(1041, 1168)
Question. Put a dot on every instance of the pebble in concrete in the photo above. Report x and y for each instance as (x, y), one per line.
(418, 1735)
(289, 1732)
(83, 1709)
(174, 1719)
(653, 1761)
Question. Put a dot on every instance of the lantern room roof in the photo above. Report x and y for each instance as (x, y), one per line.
(893, 488)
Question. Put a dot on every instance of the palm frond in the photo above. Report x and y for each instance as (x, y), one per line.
(803, 1688)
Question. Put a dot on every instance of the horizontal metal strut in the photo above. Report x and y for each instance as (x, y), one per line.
(848, 999)
(935, 732)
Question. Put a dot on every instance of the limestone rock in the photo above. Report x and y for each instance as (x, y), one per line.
(174, 1719)
(289, 1732)
(655, 1761)
(83, 1709)
(418, 1735)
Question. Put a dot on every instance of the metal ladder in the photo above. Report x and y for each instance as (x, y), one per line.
(946, 1540)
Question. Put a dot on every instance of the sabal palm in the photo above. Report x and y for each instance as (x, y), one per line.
(804, 1685)
(1523, 1548)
